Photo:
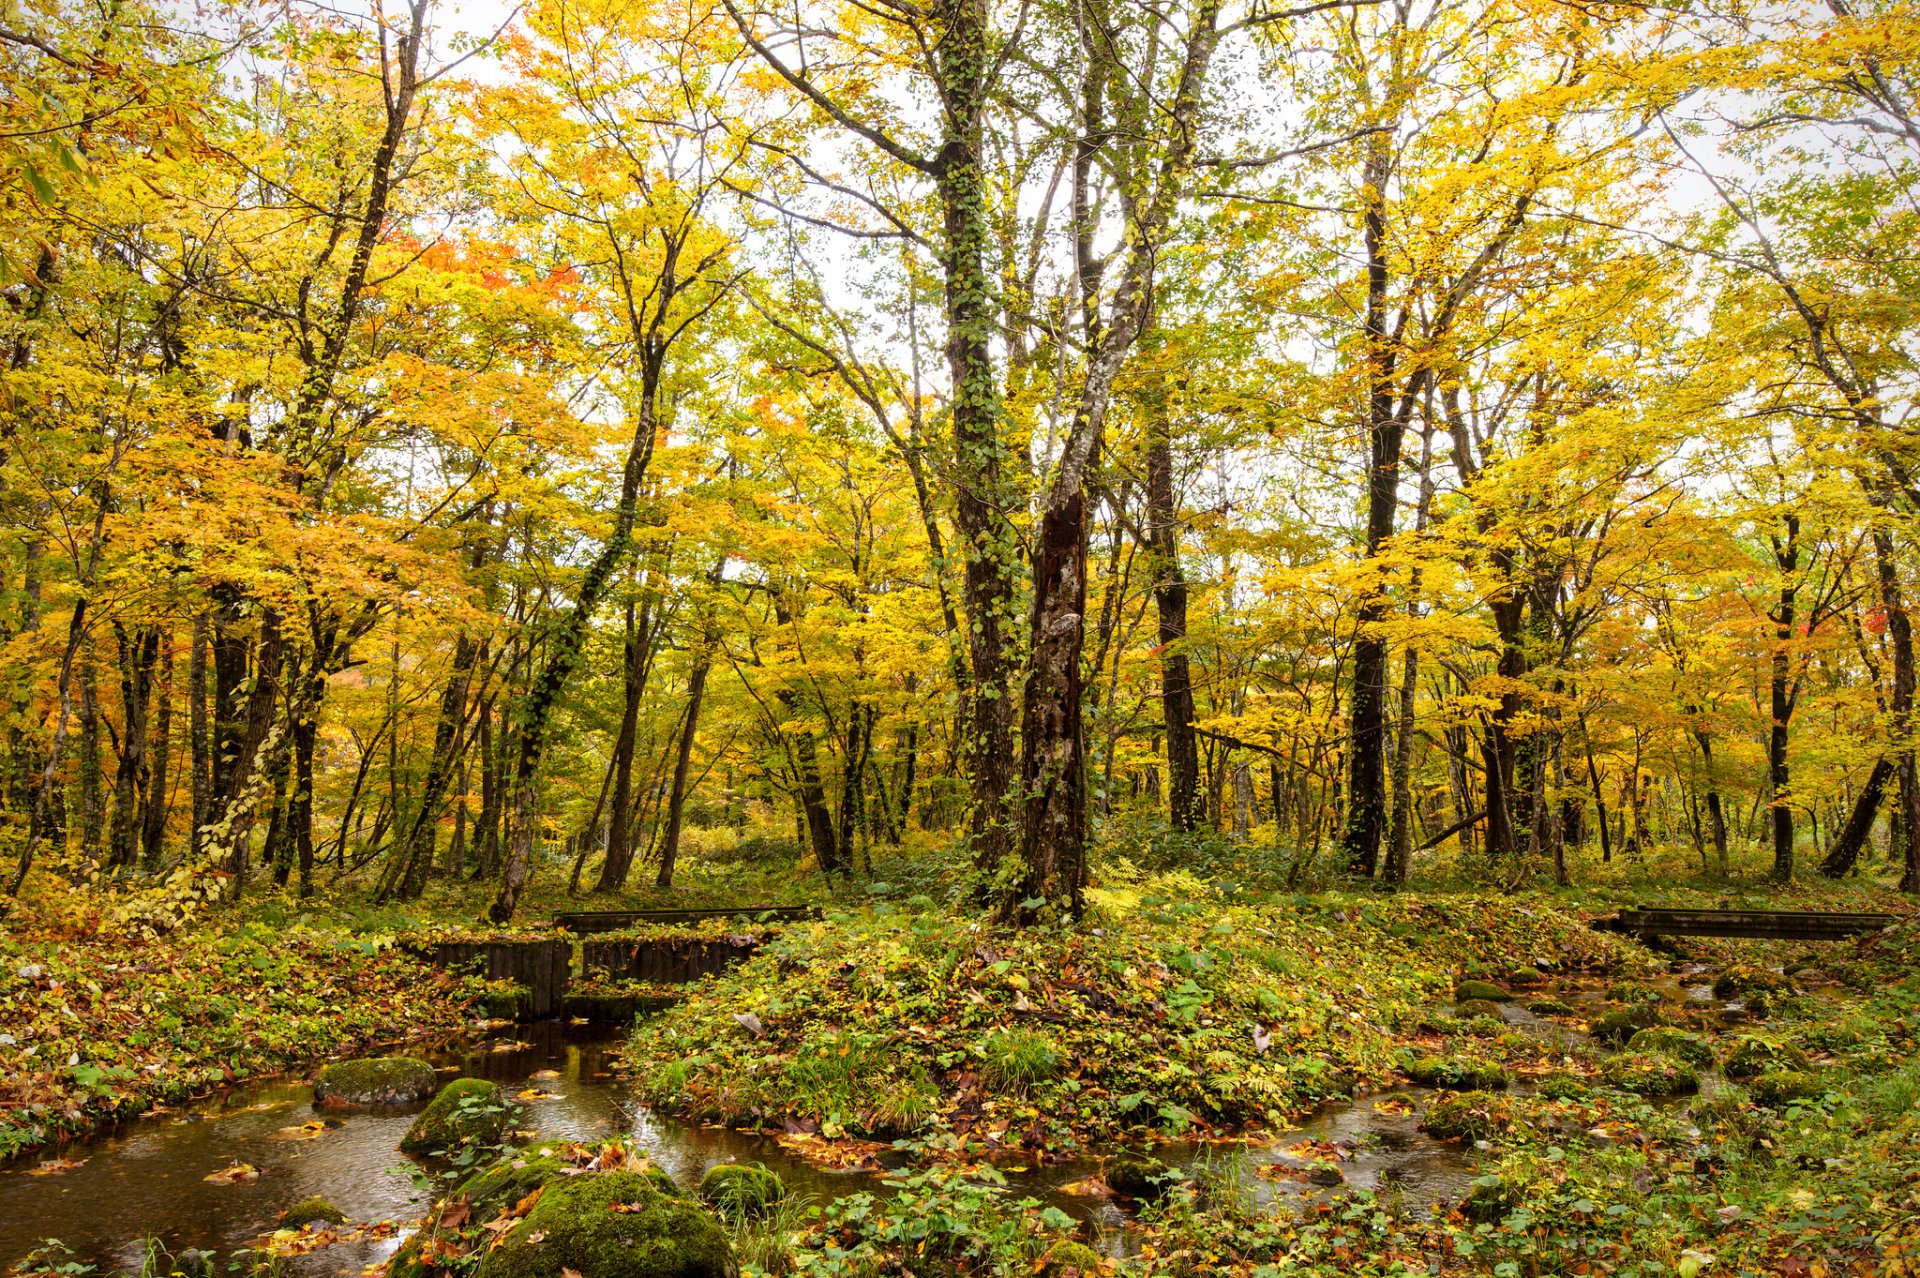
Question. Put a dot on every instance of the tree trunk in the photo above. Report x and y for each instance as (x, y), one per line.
(200, 761)
(1900, 640)
(153, 830)
(1170, 600)
(683, 758)
(984, 494)
(138, 655)
(92, 816)
(635, 653)
(1787, 557)
(414, 857)
(1366, 815)
(1853, 837)
(1716, 811)
(1053, 753)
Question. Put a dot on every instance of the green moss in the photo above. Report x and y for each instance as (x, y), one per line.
(1472, 1007)
(1480, 990)
(611, 1225)
(1070, 1260)
(1617, 1026)
(1678, 1044)
(388, 1080)
(1467, 1116)
(1748, 979)
(1137, 1175)
(505, 1001)
(1564, 1087)
(1755, 1054)
(1522, 978)
(506, 1182)
(1650, 1074)
(468, 1111)
(1778, 1088)
(1550, 1007)
(738, 1191)
(311, 1209)
(1436, 1071)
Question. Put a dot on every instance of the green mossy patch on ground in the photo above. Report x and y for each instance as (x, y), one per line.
(1755, 1054)
(97, 1026)
(1184, 1015)
(1650, 1074)
(1480, 991)
(1477, 1007)
(468, 1111)
(1618, 1025)
(1468, 1116)
(1457, 1073)
(1778, 1088)
(1687, 1048)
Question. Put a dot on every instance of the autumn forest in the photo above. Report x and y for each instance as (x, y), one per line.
(1032, 457)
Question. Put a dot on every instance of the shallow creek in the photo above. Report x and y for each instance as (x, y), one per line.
(147, 1179)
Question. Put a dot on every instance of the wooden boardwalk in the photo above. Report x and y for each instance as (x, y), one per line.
(1792, 925)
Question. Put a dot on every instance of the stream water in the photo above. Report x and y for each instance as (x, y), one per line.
(147, 1179)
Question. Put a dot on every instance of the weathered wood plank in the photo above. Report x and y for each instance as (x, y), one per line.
(584, 922)
(1800, 925)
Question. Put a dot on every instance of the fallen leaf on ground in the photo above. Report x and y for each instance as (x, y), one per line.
(233, 1174)
(56, 1166)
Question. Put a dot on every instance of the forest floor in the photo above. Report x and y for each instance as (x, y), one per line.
(1182, 1010)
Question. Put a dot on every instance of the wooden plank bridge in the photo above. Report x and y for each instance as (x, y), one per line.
(1792, 925)
(584, 922)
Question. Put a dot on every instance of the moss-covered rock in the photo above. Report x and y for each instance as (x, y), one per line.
(1745, 980)
(1472, 1007)
(611, 1225)
(506, 1182)
(1650, 1074)
(740, 1191)
(1550, 1007)
(1070, 1260)
(1480, 989)
(1563, 1087)
(1139, 1176)
(385, 1080)
(1467, 1116)
(468, 1111)
(1439, 1071)
(1755, 1054)
(1524, 978)
(1778, 1088)
(313, 1208)
(1678, 1044)
(1617, 1026)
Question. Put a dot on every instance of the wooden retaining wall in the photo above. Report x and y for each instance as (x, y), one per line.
(543, 968)
(667, 962)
